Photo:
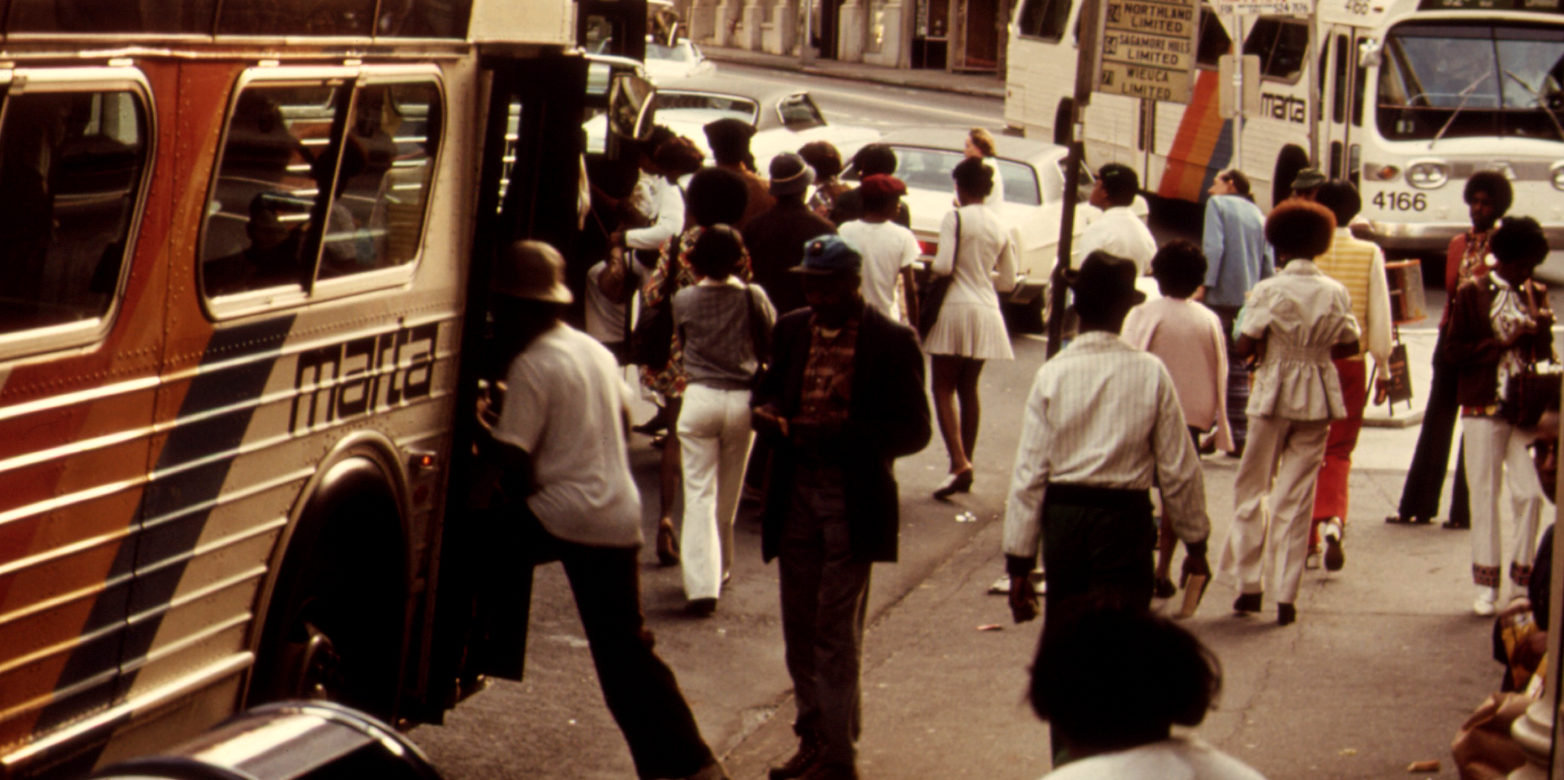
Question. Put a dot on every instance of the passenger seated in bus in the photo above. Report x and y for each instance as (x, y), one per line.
(355, 237)
(33, 128)
(274, 255)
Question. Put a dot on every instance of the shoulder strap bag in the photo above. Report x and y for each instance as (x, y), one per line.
(937, 287)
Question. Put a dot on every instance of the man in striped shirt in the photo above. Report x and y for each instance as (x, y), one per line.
(1102, 423)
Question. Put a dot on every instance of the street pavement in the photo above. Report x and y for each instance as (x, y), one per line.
(1384, 664)
(1382, 667)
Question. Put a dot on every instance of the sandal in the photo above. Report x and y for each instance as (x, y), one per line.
(667, 545)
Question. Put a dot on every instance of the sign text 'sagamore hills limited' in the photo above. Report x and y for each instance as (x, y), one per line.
(1148, 49)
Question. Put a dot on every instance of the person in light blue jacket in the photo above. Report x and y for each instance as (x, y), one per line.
(1238, 257)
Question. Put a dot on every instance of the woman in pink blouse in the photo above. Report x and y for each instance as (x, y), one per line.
(1187, 337)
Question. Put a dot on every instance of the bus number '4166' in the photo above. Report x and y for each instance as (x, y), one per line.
(1400, 201)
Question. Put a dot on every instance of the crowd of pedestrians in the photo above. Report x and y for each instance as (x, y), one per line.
(795, 348)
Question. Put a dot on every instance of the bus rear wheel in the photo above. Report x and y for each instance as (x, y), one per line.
(334, 627)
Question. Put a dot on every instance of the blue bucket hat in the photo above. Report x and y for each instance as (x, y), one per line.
(829, 254)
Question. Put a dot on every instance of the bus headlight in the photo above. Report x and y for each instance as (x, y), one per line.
(1427, 175)
(1557, 174)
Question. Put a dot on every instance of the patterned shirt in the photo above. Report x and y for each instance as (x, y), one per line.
(828, 375)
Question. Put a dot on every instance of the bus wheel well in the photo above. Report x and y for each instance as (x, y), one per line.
(333, 628)
(1291, 159)
(1064, 117)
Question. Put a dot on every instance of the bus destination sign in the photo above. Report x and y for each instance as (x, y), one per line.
(1148, 49)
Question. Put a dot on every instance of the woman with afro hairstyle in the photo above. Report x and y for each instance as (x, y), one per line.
(1294, 324)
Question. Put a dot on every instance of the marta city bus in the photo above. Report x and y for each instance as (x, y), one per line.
(237, 239)
(1406, 98)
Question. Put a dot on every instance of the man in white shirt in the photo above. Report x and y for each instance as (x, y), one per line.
(1117, 231)
(889, 250)
(1085, 463)
(654, 212)
(560, 442)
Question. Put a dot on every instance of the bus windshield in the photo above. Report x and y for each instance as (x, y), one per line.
(1453, 79)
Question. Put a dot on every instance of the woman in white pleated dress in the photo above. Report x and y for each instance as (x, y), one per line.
(976, 251)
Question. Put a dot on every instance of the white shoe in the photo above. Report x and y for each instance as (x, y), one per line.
(1330, 534)
(1001, 586)
(1484, 604)
(1312, 560)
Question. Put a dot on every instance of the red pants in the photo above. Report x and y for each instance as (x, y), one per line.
(1330, 489)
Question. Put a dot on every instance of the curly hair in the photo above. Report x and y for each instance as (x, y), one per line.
(1179, 268)
(1114, 676)
(1519, 240)
(1495, 185)
(973, 176)
(717, 251)
(823, 157)
(716, 195)
(1300, 229)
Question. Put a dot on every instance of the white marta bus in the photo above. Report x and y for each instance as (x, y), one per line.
(1406, 99)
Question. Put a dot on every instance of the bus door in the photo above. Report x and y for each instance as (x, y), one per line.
(1340, 102)
(529, 187)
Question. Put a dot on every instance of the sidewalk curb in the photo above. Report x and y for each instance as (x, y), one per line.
(935, 81)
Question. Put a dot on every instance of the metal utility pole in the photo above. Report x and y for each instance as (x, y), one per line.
(1085, 82)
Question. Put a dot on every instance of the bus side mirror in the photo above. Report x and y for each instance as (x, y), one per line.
(1229, 101)
(630, 111)
(1370, 53)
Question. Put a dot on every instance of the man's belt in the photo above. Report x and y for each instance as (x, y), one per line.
(1096, 496)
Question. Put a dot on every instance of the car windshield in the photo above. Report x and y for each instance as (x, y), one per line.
(701, 108)
(1463, 80)
(929, 169)
(675, 53)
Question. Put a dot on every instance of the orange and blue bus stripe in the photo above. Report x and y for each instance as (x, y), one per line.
(1202, 147)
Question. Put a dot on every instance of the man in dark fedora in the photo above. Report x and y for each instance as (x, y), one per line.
(775, 239)
(842, 400)
(574, 501)
(1102, 425)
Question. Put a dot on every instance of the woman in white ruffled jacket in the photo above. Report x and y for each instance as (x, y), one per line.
(1296, 322)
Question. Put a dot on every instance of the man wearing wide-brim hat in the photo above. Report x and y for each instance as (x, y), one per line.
(1102, 425)
(573, 500)
(842, 400)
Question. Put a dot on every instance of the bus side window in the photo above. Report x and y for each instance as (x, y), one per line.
(1044, 19)
(1282, 44)
(382, 183)
(1214, 40)
(257, 218)
(71, 167)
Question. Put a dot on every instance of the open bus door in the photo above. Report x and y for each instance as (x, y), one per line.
(528, 188)
(1340, 102)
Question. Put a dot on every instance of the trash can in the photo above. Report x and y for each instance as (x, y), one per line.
(294, 739)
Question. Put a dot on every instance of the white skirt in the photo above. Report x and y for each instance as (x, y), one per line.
(968, 329)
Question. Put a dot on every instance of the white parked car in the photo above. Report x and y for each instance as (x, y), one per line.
(682, 60)
(1032, 174)
(784, 119)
